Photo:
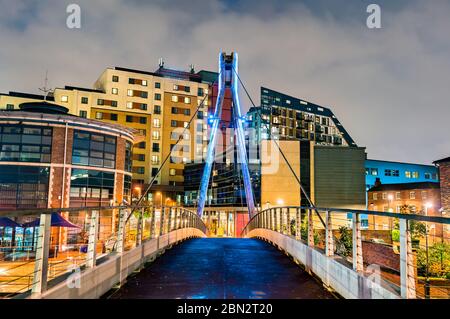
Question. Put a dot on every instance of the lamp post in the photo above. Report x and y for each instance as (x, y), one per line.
(427, 279)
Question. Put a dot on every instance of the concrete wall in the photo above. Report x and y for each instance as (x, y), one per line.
(345, 281)
(95, 282)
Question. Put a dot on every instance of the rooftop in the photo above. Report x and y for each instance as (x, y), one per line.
(404, 186)
(443, 160)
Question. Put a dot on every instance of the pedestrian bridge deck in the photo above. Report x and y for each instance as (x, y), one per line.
(222, 268)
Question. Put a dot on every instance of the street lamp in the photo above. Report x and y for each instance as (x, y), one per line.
(280, 202)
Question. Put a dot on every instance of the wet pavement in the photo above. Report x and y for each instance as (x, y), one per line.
(222, 268)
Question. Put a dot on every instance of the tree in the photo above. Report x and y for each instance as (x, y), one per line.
(418, 229)
(344, 244)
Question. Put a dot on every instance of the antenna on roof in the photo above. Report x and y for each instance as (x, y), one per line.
(161, 63)
(46, 90)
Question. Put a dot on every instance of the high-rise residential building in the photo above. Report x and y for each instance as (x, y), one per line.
(292, 118)
(158, 104)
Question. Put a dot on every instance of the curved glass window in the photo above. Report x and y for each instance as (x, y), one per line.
(92, 149)
(21, 143)
(91, 188)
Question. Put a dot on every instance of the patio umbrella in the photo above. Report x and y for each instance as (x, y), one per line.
(7, 222)
(57, 221)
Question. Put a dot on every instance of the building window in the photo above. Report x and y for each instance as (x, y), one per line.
(424, 195)
(157, 97)
(143, 120)
(427, 176)
(144, 95)
(23, 186)
(155, 159)
(155, 135)
(114, 103)
(130, 92)
(157, 109)
(155, 147)
(172, 172)
(140, 170)
(10, 107)
(92, 149)
(187, 112)
(383, 195)
(141, 145)
(144, 82)
(91, 188)
(154, 171)
(374, 171)
(157, 123)
(157, 85)
(395, 173)
(415, 174)
(173, 123)
(129, 118)
(129, 105)
(84, 100)
(99, 115)
(375, 196)
(64, 98)
(387, 172)
(100, 102)
(174, 98)
(175, 87)
(83, 114)
(113, 117)
(187, 100)
(128, 156)
(21, 143)
(115, 91)
(412, 195)
(174, 110)
(187, 89)
(115, 78)
(398, 195)
(407, 174)
(200, 92)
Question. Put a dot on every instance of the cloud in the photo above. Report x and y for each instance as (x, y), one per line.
(388, 87)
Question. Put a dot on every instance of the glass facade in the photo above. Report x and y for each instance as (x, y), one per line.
(92, 149)
(91, 188)
(127, 188)
(23, 187)
(128, 156)
(20, 143)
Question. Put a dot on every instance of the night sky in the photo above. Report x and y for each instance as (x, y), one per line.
(389, 87)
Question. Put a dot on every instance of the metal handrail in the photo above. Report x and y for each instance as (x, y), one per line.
(423, 218)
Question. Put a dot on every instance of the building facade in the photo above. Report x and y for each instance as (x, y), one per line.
(388, 172)
(412, 198)
(49, 159)
(158, 104)
(444, 179)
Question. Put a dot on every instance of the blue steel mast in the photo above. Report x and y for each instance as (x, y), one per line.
(228, 68)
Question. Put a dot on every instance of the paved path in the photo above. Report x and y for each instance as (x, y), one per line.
(222, 268)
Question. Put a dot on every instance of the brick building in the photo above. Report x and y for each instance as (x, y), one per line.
(444, 178)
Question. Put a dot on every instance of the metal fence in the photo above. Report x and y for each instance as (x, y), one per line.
(408, 253)
(42, 250)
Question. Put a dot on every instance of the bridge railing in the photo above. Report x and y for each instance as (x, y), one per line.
(408, 253)
(38, 248)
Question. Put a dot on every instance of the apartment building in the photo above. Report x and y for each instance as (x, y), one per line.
(158, 104)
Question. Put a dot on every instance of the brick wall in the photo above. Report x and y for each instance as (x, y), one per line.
(380, 254)
(444, 172)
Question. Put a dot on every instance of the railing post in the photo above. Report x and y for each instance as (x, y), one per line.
(153, 223)
(169, 220)
(310, 239)
(329, 242)
(161, 221)
(139, 226)
(121, 230)
(357, 243)
(42, 251)
(281, 220)
(91, 255)
(298, 224)
(407, 277)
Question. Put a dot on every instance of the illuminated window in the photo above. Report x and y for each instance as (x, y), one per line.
(156, 123)
(115, 78)
(384, 196)
(144, 82)
(115, 91)
(155, 159)
(175, 87)
(174, 98)
(172, 172)
(375, 196)
(374, 171)
(424, 195)
(398, 195)
(130, 92)
(129, 105)
(155, 135)
(415, 174)
(412, 195)
(408, 174)
(187, 100)
(99, 115)
(64, 98)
